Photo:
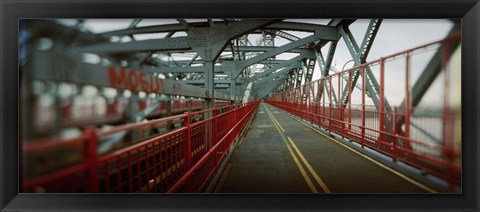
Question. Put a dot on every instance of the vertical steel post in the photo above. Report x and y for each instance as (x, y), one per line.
(447, 121)
(407, 99)
(324, 93)
(188, 144)
(233, 90)
(382, 98)
(214, 126)
(350, 90)
(91, 159)
(188, 149)
(309, 107)
(209, 84)
(394, 153)
(308, 102)
(363, 106)
(317, 104)
(169, 111)
(331, 105)
(339, 107)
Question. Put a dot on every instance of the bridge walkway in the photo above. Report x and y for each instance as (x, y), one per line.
(280, 154)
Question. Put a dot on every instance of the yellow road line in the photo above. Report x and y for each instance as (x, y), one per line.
(275, 120)
(424, 187)
(299, 165)
(309, 167)
(312, 171)
(302, 170)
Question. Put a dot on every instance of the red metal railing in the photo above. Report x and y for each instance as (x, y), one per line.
(422, 138)
(181, 160)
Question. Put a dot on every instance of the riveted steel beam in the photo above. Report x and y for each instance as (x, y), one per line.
(371, 83)
(56, 66)
(287, 65)
(217, 81)
(331, 34)
(190, 69)
(163, 44)
(284, 25)
(325, 68)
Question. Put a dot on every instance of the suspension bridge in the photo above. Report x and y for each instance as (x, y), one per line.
(236, 106)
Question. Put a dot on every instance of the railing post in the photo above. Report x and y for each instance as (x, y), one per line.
(447, 125)
(350, 89)
(324, 94)
(188, 144)
(331, 104)
(382, 99)
(188, 149)
(407, 98)
(91, 158)
(394, 154)
(363, 106)
(214, 128)
(339, 105)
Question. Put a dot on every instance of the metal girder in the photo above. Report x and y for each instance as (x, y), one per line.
(273, 81)
(298, 83)
(295, 26)
(201, 81)
(292, 26)
(269, 48)
(231, 58)
(283, 34)
(310, 67)
(57, 65)
(371, 83)
(288, 64)
(272, 76)
(370, 34)
(299, 77)
(191, 69)
(209, 42)
(325, 68)
(209, 84)
(146, 30)
(222, 86)
(268, 88)
(163, 44)
(291, 79)
(266, 92)
(183, 22)
(213, 36)
(331, 34)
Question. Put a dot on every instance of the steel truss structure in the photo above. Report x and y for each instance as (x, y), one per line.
(193, 67)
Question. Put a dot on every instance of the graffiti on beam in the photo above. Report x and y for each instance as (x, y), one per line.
(135, 80)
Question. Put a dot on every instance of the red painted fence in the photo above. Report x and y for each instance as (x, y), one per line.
(181, 160)
(400, 131)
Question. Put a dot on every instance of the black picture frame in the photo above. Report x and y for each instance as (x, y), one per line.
(12, 10)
